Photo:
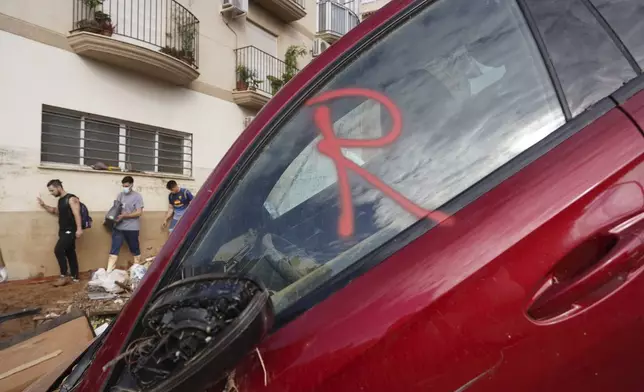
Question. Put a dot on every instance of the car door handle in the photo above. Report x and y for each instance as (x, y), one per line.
(591, 271)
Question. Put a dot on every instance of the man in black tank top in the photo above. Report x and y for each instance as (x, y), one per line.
(69, 229)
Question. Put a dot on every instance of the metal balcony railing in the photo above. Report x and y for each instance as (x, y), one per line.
(299, 2)
(335, 18)
(162, 25)
(257, 70)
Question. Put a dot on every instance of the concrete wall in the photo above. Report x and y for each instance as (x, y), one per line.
(27, 235)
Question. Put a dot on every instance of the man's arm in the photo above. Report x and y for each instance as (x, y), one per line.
(138, 211)
(134, 214)
(74, 204)
(168, 215)
(50, 209)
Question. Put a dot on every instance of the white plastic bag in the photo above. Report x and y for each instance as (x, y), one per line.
(137, 272)
(3, 274)
(107, 281)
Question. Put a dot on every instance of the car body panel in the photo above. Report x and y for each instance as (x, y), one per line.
(635, 108)
(437, 317)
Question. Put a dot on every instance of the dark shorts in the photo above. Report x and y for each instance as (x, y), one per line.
(130, 237)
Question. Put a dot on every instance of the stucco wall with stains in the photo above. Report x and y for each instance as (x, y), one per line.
(27, 234)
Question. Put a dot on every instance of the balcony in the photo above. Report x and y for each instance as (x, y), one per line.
(286, 10)
(334, 20)
(258, 76)
(159, 38)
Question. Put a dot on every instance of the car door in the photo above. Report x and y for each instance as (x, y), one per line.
(534, 285)
(453, 214)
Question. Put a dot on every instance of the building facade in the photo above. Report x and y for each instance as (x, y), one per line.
(155, 89)
(369, 7)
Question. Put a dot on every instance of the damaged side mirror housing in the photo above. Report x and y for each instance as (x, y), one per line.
(196, 331)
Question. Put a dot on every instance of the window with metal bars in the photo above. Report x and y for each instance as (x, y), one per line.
(86, 139)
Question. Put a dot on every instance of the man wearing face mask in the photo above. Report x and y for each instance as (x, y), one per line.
(128, 224)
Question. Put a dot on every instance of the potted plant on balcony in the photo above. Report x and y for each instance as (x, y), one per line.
(246, 79)
(170, 51)
(96, 21)
(105, 22)
(187, 34)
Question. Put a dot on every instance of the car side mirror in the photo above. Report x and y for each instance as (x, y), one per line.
(197, 330)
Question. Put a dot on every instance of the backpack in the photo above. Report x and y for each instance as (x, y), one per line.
(86, 220)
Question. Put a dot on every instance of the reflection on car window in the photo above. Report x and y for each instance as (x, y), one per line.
(311, 172)
(588, 63)
(626, 17)
(471, 95)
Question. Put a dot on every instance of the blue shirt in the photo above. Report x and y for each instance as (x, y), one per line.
(180, 201)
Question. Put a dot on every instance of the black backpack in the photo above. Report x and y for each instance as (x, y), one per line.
(86, 220)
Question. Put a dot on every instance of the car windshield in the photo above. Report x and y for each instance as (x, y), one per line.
(412, 121)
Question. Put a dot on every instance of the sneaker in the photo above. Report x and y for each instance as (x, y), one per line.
(62, 281)
(75, 280)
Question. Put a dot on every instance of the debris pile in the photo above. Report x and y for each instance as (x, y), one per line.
(102, 299)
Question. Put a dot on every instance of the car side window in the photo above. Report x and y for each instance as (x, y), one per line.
(626, 18)
(588, 63)
(400, 131)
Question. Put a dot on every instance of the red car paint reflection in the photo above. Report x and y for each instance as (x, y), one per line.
(331, 146)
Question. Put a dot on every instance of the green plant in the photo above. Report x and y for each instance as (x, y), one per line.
(186, 32)
(247, 78)
(102, 17)
(254, 82)
(89, 25)
(93, 3)
(293, 52)
(276, 83)
(97, 21)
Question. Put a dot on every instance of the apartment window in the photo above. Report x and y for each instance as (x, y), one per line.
(86, 139)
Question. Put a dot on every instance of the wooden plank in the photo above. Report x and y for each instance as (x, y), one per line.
(29, 364)
(44, 327)
(69, 337)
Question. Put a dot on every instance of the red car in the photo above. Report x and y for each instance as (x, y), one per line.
(450, 198)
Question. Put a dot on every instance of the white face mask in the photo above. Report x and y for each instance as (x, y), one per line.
(127, 190)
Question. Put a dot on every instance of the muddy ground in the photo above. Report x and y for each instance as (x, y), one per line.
(53, 301)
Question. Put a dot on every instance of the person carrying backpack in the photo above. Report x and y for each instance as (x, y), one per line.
(72, 219)
(179, 199)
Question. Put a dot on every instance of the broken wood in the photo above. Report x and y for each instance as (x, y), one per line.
(103, 312)
(17, 314)
(123, 286)
(27, 356)
(74, 314)
(30, 364)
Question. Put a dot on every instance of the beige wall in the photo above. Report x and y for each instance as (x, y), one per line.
(30, 253)
(217, 40)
